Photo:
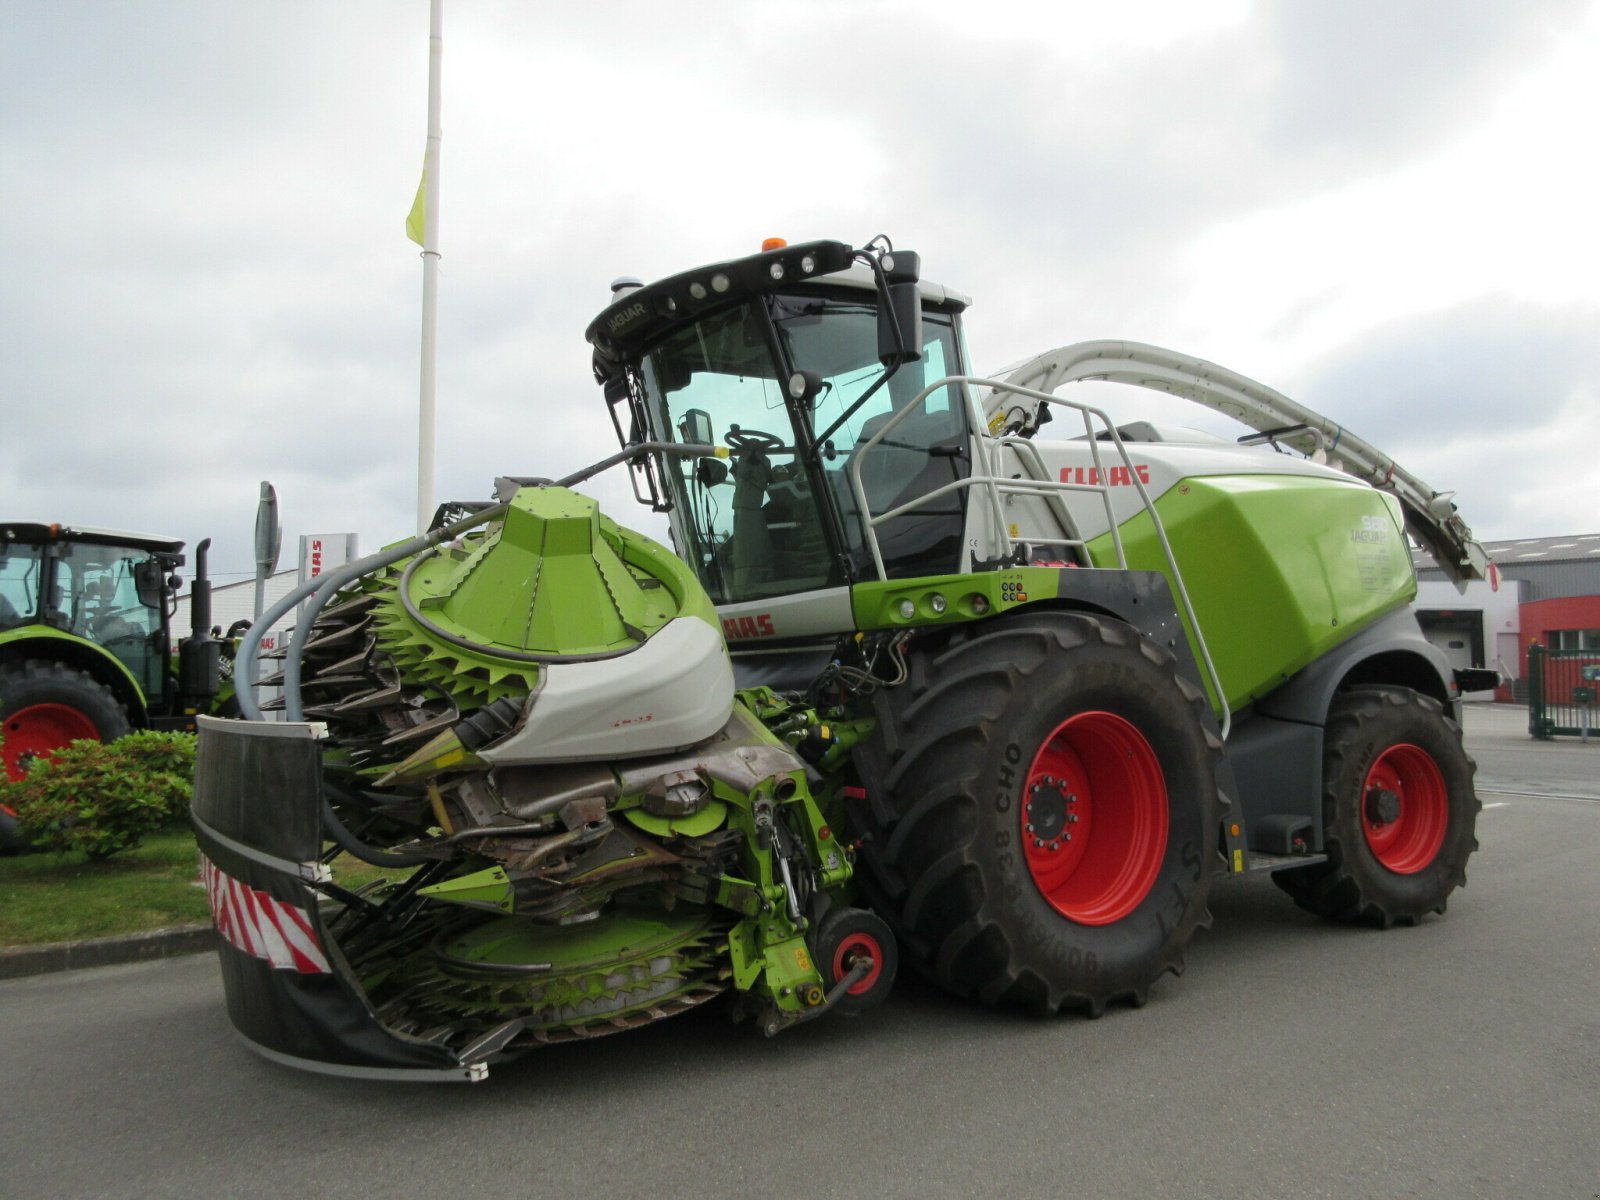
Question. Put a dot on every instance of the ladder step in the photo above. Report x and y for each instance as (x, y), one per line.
(1254, 861)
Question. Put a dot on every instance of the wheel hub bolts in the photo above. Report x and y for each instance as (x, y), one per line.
(1383, 806)
(1047, 815)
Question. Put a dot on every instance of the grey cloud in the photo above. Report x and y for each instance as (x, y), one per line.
(209, 212)
(1467, 371)
(1365, 81)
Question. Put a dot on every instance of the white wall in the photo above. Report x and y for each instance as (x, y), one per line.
(1499, 610)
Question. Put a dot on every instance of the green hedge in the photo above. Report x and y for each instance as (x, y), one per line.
(100, 797)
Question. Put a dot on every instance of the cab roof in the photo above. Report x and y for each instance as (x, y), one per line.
(38, 534)
(641, 313)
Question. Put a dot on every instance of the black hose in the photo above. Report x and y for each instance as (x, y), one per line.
(353, 845)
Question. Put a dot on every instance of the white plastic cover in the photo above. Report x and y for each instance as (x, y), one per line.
(671, 692)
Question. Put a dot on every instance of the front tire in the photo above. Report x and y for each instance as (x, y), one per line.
(47, 705)
(1043, 813)
(1398, 808)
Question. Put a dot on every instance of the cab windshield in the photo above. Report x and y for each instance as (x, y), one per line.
(756, 529)
(89, 590)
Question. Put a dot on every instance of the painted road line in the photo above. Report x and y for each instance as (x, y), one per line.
(1539, 795)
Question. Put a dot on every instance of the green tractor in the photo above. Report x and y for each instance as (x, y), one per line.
(918, 683)
(85, 638)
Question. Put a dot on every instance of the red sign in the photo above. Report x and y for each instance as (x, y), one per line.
(737, 628)
(1115, 476)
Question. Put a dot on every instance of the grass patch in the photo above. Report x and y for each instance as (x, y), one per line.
(65, 898)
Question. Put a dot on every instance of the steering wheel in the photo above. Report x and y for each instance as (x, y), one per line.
(752, 439)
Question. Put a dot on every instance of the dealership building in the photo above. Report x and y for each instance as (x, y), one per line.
(1543, 591)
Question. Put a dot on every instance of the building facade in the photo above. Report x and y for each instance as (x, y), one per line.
(1544, 591)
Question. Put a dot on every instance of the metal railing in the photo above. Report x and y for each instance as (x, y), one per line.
(994, 486)
(1563, 686)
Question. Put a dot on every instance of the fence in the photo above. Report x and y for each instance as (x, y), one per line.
(1562, 690)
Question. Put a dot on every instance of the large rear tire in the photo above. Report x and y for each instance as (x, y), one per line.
(1398, 809)
(47, 705)
(1043, 813)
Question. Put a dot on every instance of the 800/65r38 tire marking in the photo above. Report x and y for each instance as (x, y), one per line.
(1039, 708)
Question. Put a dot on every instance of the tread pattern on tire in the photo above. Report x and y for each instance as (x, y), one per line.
(1351, 886)
(925, 774)
(44, 681)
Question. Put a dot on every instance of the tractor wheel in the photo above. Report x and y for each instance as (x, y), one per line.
(1398, 811)
(46, 705)
(1042, 813)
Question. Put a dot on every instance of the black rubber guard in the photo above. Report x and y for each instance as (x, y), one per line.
(289, 991)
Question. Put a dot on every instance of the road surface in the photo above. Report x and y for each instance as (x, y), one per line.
(1293, 1059)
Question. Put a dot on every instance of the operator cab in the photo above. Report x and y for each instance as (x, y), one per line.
(105, 586)
(794, 359)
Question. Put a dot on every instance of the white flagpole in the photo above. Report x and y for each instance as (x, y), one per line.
(430, 272)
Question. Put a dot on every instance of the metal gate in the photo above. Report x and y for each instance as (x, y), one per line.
(1562, 690)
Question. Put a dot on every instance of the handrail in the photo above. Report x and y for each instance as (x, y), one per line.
(994, 486)
(1431, 515)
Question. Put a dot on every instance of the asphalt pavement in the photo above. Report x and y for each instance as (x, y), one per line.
(1294, 1058)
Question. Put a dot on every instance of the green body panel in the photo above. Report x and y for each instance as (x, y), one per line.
(491, 889)
(1318, 561)
(555, 978)
(591, 946)
(698, 824)
(880, 604)
(573, 593)
(553, 578)
(41, 634)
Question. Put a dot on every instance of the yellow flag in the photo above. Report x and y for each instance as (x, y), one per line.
(419, 208)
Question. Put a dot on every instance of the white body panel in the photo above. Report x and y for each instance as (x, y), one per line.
(1430, 515)
(804, 615)
(671, 692)
(1160, 466)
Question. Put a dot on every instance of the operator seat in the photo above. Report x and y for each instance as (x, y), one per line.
(901, 468)
(752, 540)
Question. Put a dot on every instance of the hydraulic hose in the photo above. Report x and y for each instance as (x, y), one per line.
(351, 844)
(319, 591)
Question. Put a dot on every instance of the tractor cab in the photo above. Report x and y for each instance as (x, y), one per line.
(796, 359)
(103, 586)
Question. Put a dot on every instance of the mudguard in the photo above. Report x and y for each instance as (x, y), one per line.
(290, 993)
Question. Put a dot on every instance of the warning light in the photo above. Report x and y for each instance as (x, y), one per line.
(1234, 829)
(773, 243)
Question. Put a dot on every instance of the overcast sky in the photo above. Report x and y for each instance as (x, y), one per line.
(1385, 209)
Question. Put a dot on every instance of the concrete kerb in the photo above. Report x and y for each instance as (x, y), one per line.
(17, 961)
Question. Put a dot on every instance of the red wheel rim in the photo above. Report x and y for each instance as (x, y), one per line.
(1405, 833)
(1094, 818)
(845, 957)
(40, 729)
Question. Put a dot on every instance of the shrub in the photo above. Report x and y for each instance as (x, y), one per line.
(101, 797)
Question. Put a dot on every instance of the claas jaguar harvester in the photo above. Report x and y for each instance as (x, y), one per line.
(919, 686)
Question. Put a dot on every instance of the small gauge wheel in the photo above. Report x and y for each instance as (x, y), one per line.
(845, 937)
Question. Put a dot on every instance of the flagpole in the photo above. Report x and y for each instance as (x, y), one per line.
(430, 273)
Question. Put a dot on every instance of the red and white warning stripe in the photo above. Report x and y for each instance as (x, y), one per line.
(260, 925)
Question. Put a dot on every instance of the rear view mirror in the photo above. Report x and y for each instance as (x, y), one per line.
(900, 310)
(147, 582)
